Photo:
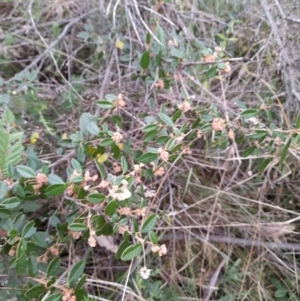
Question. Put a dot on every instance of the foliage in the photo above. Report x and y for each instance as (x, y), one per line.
(172, 148)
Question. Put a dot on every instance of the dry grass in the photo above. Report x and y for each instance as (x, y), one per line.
(231, 230)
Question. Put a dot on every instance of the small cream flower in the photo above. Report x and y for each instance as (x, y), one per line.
(117, 137)
(162, 250)
(92, 242)
(217, 124)
(144, 272)
(184, 107)
(164, 155)
(158, 172)
(120, 194)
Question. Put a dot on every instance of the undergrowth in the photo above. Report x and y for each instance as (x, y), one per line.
(149, 150)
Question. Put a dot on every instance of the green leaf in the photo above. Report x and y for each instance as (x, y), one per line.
(124, 164)
(54, 297)
(176, 115)
(28, 230)
(3, 189)
(32, 266)
(284, 150)
(76, 165)
(21, 250)
(53, 267)
(77, 227)
(249, 113)
(41, 239)
(298, 121)
(21, 266)
(55, 179)
(55, 189)
(248, 151)
(122, 248)
(150, 136)
(106, 142)
(145, 60)
(153, 237)
(131, 252)
(105, 104)
(26, 172)
(263, 165)
(110, 208)
(96, 198)
(11, 203)
(80, 283)
(76, 271)
(177, 53)
(150, 128)
(166, 119)
(149, 223)
(35, 291)
(147, 158)
(5, 213)
(92, 128)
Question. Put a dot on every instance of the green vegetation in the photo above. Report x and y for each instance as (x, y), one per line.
(149, 150)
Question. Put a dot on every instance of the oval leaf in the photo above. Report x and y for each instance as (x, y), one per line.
(76, 271)
(26, 172)
(166, 119)
(53, 266)
(147, 158)
(55, 189)
(145, 60)
(96, 198)
(28, 230)
(131, 252)
(149, 223)
(77, 227)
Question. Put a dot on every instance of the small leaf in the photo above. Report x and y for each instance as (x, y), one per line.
(153, 237)
(21, 266)
(80, 283)
(122, 248)
(102, 158)
(55, 189)
(35, 292)
(284, 150)
(26, 172)
(249, 113)
(11, 203)
(53, 267)
(150, 136)
(32, 266)
(177, 53)
(150, 128)
(131, 252)
(149, 223)
(298, 122)
(3, 189)
(124, 164)
(263, 165)
(5, 213)
(28, 230)
(77, 227)
(248, 151)
(105, 104)
(147, 158)
(76, 271)
(166, 119)
(54, 297)
(110, 208)
(92, 128)
(145, 60)
(96, 198)
(76, 165)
